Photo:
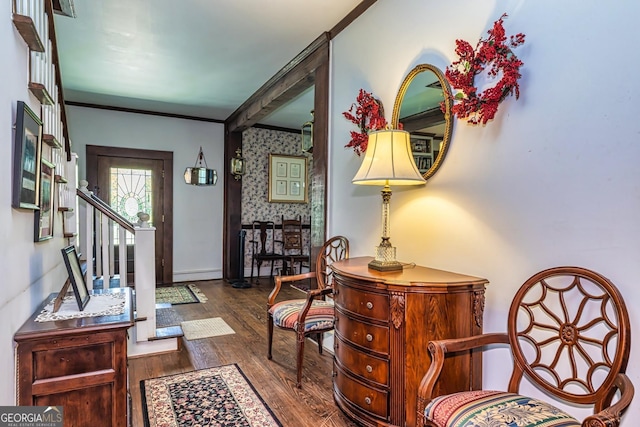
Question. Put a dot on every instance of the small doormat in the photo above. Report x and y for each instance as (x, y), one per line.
(205, 328)
(167, 317)
(181, 294)
(221, 396)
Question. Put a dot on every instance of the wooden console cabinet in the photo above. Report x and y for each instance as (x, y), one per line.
(384, 322)
(80, 364)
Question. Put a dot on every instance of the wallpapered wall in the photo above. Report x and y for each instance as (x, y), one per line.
(257, 144)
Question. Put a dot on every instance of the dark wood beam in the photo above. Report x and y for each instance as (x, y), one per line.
(292, 80)
(231, 261)
(422, 120)
(138, 111)
(344, 23)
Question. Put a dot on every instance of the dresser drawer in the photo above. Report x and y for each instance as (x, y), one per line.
(59, 362)
(372, 337)
(361, 364)
(368, 304)
(373, 401)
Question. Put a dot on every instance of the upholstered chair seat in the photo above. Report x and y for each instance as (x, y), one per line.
(319, 317)
(484, 408)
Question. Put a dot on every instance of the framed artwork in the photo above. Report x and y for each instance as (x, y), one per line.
(26, 159)
(287, 179)
(43, 223)
(76, 277)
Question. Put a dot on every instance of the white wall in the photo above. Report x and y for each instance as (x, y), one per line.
(197, 210)
(30, 271)
(553, 180)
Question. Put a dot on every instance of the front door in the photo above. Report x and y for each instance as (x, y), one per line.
(131, 181)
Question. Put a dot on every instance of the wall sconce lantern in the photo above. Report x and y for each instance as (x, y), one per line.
(238, 167)
(307, 135)
(199, 174)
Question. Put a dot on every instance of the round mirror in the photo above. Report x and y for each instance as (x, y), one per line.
(417, 110)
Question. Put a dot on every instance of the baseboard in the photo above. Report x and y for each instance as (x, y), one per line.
(195, 275)
(145, 348)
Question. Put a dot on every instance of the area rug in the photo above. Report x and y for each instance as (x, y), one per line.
(205, 328)
(181, 294)
(219, 396)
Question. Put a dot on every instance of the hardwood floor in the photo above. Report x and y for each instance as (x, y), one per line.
(245, 311)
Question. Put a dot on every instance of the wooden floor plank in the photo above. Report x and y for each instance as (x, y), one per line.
(244, 310)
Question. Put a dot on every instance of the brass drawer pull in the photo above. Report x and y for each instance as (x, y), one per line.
(367, 400)
(369, 305)
(369, 337)
(369, 369)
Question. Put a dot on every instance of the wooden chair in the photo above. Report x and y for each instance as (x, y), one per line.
(263, 246)
(569, 333)
(292, 246)
(313, 315)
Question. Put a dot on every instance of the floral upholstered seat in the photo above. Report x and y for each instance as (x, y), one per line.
(487, 408)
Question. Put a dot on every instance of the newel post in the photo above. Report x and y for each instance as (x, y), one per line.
(145, 279)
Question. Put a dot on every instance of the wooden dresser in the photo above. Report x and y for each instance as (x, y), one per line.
(384, 322)
(80, 364)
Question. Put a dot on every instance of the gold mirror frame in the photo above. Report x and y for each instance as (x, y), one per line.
(448, 119)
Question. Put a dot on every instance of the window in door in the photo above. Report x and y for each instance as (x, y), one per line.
(131, 192)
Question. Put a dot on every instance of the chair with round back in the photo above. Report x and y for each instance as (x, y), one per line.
(313, 315)
(569, 334)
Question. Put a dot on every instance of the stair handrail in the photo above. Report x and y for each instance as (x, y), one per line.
(99, 204)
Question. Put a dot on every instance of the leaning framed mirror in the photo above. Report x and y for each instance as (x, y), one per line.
(417, 109)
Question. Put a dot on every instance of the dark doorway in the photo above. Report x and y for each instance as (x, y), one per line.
(130, 180)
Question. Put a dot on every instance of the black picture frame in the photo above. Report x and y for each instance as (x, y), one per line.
(44, 217)
(26, 159)
(76, 277)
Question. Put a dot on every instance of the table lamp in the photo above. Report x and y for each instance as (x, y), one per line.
(388, 161)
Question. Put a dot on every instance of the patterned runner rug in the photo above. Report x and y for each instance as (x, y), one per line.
(219, 396)
(181, 294)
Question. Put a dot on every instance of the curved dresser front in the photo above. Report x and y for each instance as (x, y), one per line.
(384, 322)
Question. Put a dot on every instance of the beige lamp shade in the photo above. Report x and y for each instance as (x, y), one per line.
(388, 160)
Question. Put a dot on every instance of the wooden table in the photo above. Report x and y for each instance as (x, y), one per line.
(384, 322)
(80, 364)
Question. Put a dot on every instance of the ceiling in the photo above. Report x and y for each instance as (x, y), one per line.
(198, 58)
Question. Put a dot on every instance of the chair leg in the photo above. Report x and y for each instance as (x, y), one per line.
(299, 357)
(258, 265)
(269, 334)
(319, 339)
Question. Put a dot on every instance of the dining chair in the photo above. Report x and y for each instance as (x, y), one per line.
(293, 246)
(263, 245)
(311, 316)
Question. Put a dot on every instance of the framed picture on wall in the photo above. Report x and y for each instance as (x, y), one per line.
(43, 217)
(287, 179)
(26, 159)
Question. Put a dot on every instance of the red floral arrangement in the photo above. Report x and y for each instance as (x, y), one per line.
(493, 53)
(366, 113)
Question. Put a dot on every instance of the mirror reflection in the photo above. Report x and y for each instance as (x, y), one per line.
(417, 109)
